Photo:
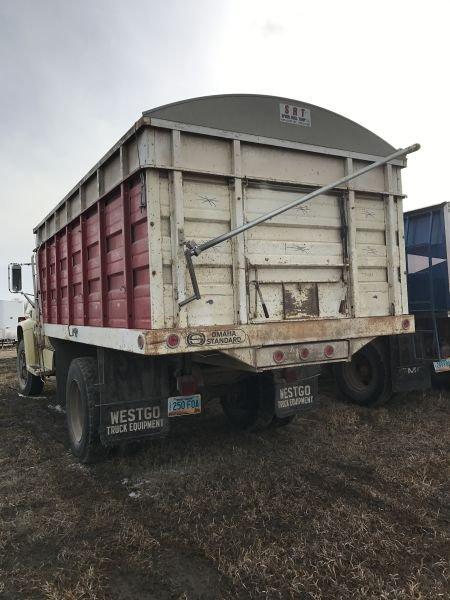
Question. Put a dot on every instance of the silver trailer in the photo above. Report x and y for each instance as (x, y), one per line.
(228, 245)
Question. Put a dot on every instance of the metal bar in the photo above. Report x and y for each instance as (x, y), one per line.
(177, 223)
(392, 249)
(261, 299)
(198, 249)
(352, 255)
(238, 245)
(195, 288)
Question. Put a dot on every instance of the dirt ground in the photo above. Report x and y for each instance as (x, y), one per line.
(343, 503)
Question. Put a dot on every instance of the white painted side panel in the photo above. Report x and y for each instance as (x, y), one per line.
(299, 260)
(300, 253)
(206, 204)
(269, 163)
(372, 256)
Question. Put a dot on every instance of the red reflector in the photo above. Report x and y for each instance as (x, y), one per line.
(328, 351)
(406, 324)
(172, 340)
(187, 385)
(304, 353)
(278, 356)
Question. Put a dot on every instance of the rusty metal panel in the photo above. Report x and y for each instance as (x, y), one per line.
(222, 338)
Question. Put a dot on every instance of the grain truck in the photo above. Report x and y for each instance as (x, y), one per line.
(225, 248)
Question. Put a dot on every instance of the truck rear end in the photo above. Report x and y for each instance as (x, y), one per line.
(164, 328)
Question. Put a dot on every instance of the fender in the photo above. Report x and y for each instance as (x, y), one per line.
(26, 331)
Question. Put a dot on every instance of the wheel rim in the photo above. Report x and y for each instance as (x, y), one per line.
(22, 372)
(75, 412)
(358, 374)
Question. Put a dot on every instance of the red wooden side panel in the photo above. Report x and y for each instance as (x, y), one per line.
(95, 271)
(63, 278)
(115, 264)
(76, 279)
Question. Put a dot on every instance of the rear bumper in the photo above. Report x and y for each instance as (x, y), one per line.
(222, 338)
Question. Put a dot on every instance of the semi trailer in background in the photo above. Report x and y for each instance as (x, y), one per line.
(427, 235)
(225, 248)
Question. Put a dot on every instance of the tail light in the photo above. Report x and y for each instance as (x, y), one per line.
(406, 324)
(328, 351)
(173, 340)
(304, 353)
(278, 356)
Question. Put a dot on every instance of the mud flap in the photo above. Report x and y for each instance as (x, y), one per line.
(125, 421)
(296, 396)
(411, 377)
(408, 372)
(133, 394)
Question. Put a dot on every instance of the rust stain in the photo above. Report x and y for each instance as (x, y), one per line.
(300, 300)
(283, 332)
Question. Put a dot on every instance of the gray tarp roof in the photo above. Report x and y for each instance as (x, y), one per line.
(260, 115)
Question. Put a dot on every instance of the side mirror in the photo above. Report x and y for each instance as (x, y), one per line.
(15, 278)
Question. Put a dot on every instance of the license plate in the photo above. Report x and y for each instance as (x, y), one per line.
(180, 406)
(441, 366)
(295, 396)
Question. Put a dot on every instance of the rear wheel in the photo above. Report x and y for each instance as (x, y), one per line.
(365, 379)
(82, 411)
(29, 384)
(250, 404)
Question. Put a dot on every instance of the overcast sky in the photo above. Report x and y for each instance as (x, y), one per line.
(76, 75)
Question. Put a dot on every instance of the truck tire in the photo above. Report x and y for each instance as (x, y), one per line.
(82, 414)
(365, 380)
(250, 404)
(29, 384)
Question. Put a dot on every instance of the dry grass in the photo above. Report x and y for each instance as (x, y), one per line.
(345, 503)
